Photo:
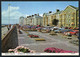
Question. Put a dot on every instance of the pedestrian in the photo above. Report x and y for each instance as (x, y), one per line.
(9, 26)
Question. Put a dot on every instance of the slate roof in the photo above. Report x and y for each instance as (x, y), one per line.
(74, 7)
(58, 12)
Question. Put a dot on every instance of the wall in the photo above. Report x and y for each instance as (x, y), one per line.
(10, 40)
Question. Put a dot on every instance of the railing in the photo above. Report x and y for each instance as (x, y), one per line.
(10, 40)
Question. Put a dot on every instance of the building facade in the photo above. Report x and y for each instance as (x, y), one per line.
(34, 20)
(69, 17)
(21, 21)
(25, 21)
(37, 20)
(56, 16)
(47, 19)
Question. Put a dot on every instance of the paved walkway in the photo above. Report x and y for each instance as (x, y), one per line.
(51, 41)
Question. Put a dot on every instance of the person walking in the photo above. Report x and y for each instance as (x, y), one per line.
(9, 27)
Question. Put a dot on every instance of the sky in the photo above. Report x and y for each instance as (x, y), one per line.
(16, 9)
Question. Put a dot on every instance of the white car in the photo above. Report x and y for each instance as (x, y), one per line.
(52, 28)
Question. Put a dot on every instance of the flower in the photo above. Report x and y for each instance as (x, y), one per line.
(21, 49)
(32, 51)
(57, 50)
(11, 50)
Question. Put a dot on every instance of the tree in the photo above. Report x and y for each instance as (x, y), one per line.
(55, 22)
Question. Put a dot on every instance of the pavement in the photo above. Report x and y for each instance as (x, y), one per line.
(4, 31)
(51, 41)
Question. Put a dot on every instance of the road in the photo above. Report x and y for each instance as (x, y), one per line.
(51, 41)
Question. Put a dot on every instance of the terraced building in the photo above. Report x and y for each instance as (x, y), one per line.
(69, 17)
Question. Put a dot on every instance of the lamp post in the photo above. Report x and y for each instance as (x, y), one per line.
(9, 12)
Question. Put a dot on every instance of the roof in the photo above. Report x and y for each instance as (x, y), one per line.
(74, 7)
(37, 17)
(58, 12)
(48, 14)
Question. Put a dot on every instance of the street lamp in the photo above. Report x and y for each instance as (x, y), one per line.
(9, 12)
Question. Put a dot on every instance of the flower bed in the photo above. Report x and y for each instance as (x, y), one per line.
(57, 50)
(21, 49)
(33, 36)
(40, 39)
(52, 33)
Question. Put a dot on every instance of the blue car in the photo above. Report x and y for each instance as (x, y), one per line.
(66, 30)
(58, 30)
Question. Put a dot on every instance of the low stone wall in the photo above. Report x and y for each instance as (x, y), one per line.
(10, 40)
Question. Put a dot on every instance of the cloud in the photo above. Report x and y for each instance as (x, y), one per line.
(14, 15)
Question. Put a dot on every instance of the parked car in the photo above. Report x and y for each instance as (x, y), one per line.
(54, 28)
(76, 30)
(65, 30)
(73, 32)
(58, 30)
(39, 28)
(66, 27)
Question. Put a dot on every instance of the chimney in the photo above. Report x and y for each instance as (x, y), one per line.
(35, 14)
(50, 11)
(57, 10)
(32, 15)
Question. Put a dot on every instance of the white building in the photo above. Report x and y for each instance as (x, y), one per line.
(34, 20)
(25, 21)
(37, 20)
(21, 21)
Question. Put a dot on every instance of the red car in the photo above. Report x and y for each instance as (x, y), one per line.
(74, 32)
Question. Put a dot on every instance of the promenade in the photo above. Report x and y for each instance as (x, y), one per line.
(51, 41)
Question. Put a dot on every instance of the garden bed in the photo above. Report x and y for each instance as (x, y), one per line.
(57, 50)
(33, 36)
(40, 39)
(21, 49)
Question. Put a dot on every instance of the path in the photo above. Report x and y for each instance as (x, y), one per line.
(51, 41)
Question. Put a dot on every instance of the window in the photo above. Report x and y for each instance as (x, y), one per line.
(72, 20)
(51, 17)
(73, 24)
